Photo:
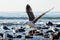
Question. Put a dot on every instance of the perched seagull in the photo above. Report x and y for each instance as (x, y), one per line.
(32, 19)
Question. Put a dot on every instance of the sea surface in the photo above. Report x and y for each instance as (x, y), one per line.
(22, 18)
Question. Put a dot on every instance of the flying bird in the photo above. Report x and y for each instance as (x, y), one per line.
(32, 18)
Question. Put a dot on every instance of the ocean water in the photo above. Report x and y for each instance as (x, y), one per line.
(22, 18)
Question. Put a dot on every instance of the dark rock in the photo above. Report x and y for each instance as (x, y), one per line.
(9, 36)
(1, 34)
(28, 36)
(20, 30)
(45, 27)
(58, 25)
(49, 31)
(59, 33)
(5, 28)
(19, 36)
(39, 34)
(56, 29)
(49, 23)
(46, 35)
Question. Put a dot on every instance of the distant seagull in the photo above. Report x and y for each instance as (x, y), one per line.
(32, 19)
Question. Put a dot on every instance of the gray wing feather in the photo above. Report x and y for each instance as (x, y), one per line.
(35, 20)
(30, 12)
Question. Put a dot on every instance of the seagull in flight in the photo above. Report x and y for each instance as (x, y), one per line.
(32, 18)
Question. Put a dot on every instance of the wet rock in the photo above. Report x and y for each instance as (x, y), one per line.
(49, 31)
(28, 36)
(1, 34)
(46, 35)
(58, 25)
(45, 27)
(20, 30)
(5, 28)
(10, 36)
(38, 33)
(49, 23)
(56, 29)
(19, 36)
(59, 33)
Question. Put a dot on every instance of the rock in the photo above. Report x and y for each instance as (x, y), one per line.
(49, 23)
(20, 30)
(28, 36)
(5, 28)
(58, 25)
(1, 34)
(49, 31)
(9, 36)
(19, 36)
(45, 27)
(59, 33)
(56, 29)
(46, 35)
(38, 33)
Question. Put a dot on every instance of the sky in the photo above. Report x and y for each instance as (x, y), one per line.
(37, 5)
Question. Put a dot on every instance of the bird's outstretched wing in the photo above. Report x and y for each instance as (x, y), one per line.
(35, 20)
(30, 13)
